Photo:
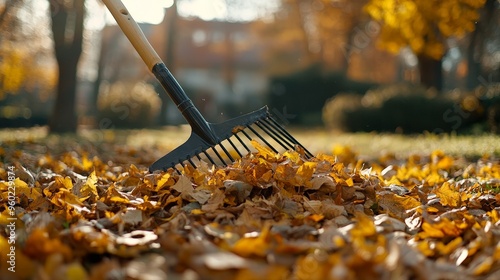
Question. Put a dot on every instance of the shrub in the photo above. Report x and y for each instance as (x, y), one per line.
(402, 107)
(488, 98)
(337, 108)
(378, 96)
(304, 93)
(127, 105)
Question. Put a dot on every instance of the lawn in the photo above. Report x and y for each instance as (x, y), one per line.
(368, 206)
(369, 145)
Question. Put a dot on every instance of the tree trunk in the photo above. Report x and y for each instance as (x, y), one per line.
(473, 60)
(67, 29)
(171, 17)
(431, 73)
(475, 50)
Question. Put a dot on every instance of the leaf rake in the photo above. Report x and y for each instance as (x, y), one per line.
(217, 143)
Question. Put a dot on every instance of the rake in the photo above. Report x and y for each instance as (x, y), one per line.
(217, 143)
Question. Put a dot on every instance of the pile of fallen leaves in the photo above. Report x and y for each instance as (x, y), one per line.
(267, 216)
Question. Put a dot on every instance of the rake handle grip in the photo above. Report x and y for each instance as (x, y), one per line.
(133, 32)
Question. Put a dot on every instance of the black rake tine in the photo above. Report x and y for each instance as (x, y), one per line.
(282, 130)
(226, 152)
(218, 155)
(198, 157)
(289, 136)
(276, 137)
(262, 139)
(192, 163)
(284, 138)
(246, 134)
(234, 147)
(242, 143)
(177, 170)
(209, 157)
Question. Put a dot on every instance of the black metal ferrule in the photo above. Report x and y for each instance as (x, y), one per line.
(194, 118)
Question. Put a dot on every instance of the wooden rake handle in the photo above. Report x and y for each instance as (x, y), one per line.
(133, 32)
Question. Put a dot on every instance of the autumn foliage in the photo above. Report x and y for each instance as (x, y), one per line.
(423, 25)
(90, 215)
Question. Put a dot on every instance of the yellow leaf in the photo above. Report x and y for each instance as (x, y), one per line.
(23, 188)
(364, 226)
(425, 248)
(344, 154)
(349, 182)
(484, 266)
(496, 255)
(309, 267)
(315, 217)
(305, 172)
(446, 249)
(86, 163)
(75, 271)
(441, 161)
(197, 212)
(90, 185)
(64, 182)
(267, 176)
(40, 245)
(448, 196)
(494, 216)
(292, 156)
(432, 231)
(67, 201)
(264, 152)
(269, 272)
(254, 246)
(432, 209)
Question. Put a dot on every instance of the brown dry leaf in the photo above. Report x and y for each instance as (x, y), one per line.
(241, 190)
(184, 187)
(267, 216)
(23, 188)
(396, 205)
(214, 202)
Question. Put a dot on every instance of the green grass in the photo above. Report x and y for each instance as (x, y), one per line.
(316, 140)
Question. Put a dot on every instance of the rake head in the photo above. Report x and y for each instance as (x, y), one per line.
(231, 141)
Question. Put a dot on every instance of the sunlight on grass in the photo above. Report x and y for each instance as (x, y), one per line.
(317, 140)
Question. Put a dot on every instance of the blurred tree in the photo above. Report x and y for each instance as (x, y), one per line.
(24, 68)
(321, 32)
(172, 17)
(485, 28)
(67, 28)
(424, 26)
